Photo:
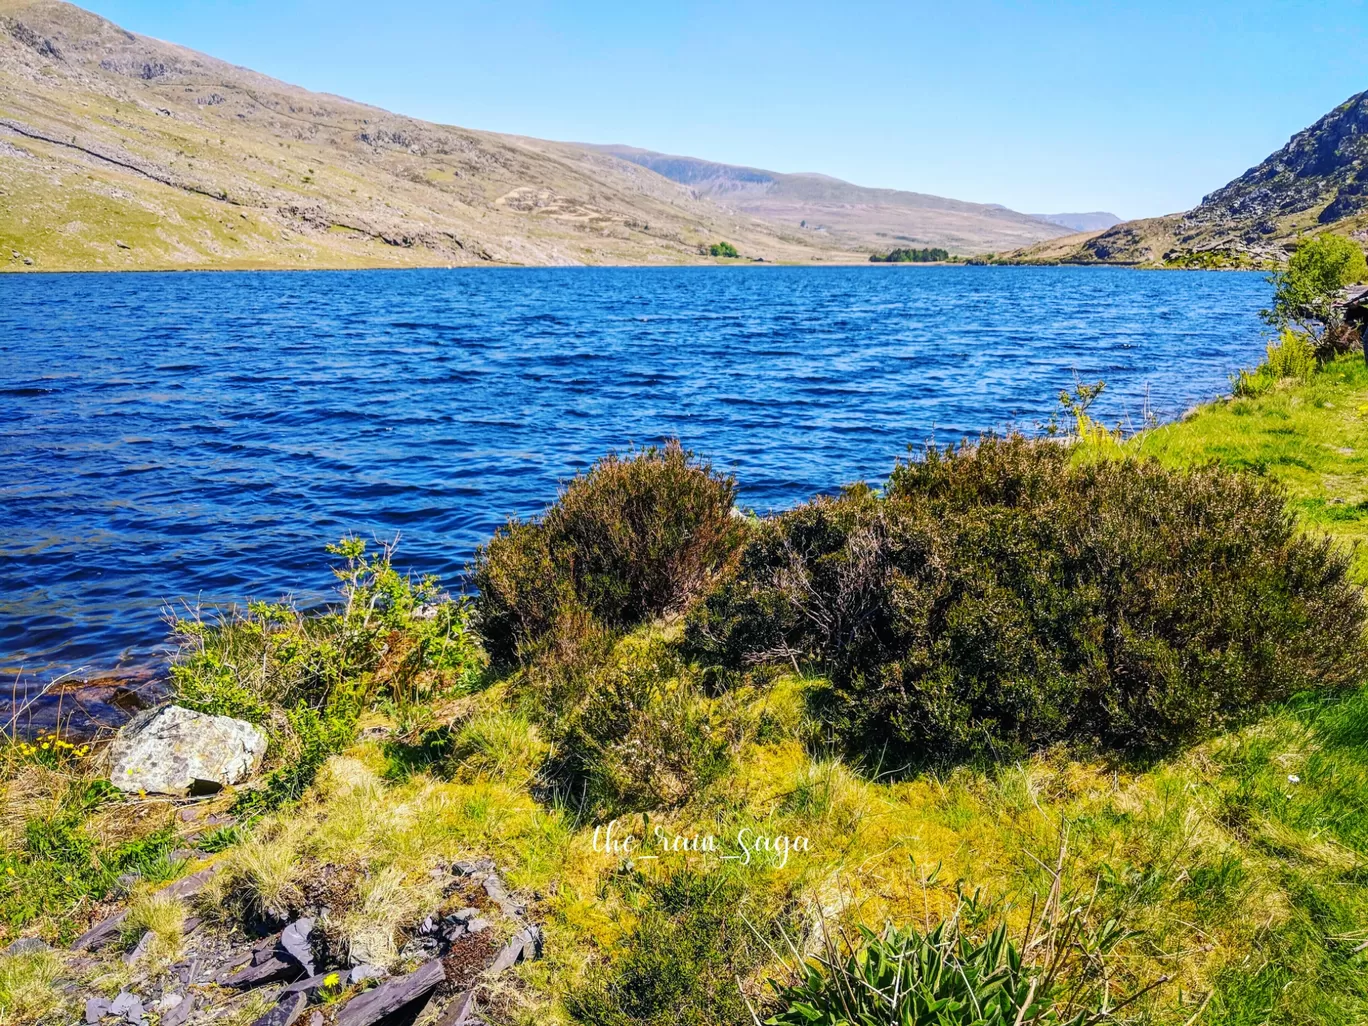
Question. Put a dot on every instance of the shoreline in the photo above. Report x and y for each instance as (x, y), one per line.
(496, 266)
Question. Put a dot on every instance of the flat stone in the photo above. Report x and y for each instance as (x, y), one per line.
(478, 925)
(311, 986)
(316, 1019)
(174, 750)
(26, 946)
(101, 934)
(473, 867)
(144, 943)
(181, 1012)
(526, 943)
(270, 971)
(294, 939)
(459, 1012)
(96, 1009)
(189, 886)
(374, 1005)
(361, 973)
(498, 893)
(128, 1006)
(285, 1011)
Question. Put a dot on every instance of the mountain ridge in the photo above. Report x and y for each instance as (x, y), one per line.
(856, 215)
(1317, 182)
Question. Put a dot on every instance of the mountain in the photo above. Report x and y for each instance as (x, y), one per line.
(120, 151)
(1094, 221)
(874, 220)
(1317, 182)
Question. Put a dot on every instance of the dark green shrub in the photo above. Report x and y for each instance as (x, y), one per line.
(1002, 597)
(722, 249)
(679, 966)
(631, 539)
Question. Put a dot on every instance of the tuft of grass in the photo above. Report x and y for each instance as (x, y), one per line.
(29, 993)
(386, 902)
(501, 745)
(262, 874)
(163, 917)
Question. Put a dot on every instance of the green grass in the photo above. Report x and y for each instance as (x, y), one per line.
(1311, 436)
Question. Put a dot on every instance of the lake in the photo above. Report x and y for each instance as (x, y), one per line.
(200, 437)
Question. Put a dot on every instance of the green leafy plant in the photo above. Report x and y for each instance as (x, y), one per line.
(1291, 358)
(722, 249)
(966, 971)
(947, 976)
(58, 866)
(392, 641)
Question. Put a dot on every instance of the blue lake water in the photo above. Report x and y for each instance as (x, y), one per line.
(171, 437)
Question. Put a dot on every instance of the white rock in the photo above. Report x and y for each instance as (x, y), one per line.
(176, 751)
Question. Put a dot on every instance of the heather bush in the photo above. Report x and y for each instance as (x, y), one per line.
(643, 734)
(631, 539)
(1002, 597)
(680, 964)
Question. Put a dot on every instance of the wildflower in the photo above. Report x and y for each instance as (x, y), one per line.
(9, 870)
(331, 980)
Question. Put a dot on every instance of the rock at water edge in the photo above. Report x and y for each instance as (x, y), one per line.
(177, 751)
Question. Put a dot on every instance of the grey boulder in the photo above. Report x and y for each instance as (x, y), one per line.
(177, 751)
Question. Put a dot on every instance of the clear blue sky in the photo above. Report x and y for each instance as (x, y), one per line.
(1138, 108)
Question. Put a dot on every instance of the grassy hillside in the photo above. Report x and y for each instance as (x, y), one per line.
(1219, 884)
(120, 152)
(846, 214)
(1315, 183)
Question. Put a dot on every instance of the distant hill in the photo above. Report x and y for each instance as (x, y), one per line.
(120, 151)
(1090, 222)
(1317, 182)
(850, 215)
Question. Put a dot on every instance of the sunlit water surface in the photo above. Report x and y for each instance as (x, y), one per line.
(199, 437)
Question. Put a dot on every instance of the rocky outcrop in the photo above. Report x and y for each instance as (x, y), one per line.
(479, 930)
(176, 751)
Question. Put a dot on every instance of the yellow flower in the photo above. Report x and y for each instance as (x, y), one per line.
(331, 980)
(9, 870)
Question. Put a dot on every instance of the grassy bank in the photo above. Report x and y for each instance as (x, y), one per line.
(1311, 436)
(1216, 882)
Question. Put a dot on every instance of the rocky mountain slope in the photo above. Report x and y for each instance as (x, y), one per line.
(875, 220)
(1317, 182)
(120, 151)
